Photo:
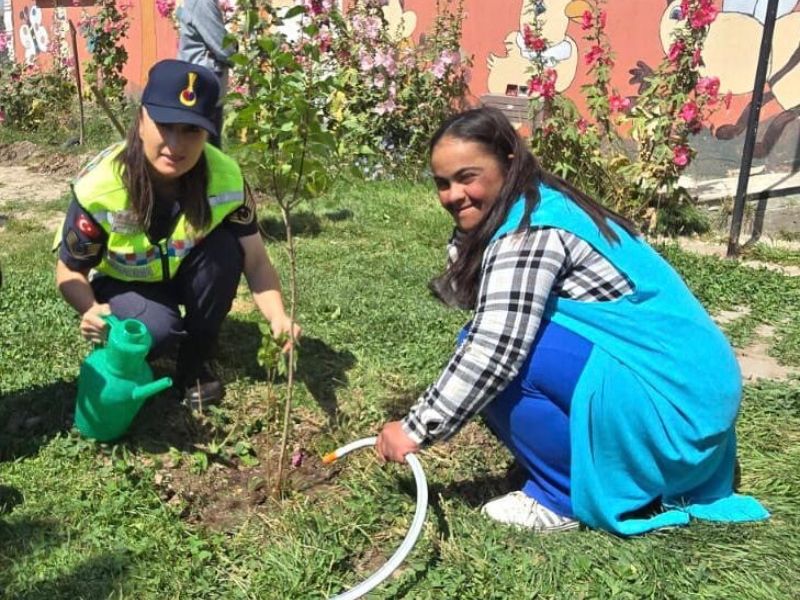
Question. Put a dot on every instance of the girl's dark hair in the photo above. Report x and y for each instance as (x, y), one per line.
(458, 285)
(139, 185)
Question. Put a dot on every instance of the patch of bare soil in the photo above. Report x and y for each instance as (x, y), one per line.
(42, 159)
(233, 488)
(31, 176)
(755, 361)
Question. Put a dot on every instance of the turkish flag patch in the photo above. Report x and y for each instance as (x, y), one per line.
(86, 227)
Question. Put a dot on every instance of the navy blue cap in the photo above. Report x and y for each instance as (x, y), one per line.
(181, 92)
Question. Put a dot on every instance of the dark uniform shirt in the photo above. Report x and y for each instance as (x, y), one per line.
(83, 241)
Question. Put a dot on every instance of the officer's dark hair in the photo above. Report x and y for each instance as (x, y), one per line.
(522, 176)
(139, 185)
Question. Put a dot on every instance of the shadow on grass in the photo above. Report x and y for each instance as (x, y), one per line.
(94, 578)
(320, 368)
(9, 498)
(30, 418)
(303, 224)
(476, 492)
(323, 370)
(164, 423)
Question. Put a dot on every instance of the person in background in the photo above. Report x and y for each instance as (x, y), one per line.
(202, 42)
(161, 221)
(586, 353)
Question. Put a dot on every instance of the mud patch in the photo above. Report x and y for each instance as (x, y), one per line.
(724, 317)
(755, 361)
(42, 159)
(20, 183)
(222, 490)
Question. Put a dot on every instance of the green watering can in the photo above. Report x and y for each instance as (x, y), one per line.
(115, 380)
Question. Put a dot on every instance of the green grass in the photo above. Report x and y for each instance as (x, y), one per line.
(774, 254)
(86, 520)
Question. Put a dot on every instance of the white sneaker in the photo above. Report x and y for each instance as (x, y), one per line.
(520, 510)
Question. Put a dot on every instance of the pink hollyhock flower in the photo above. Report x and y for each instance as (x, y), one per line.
(386, 107)
(438, 69)
(532, 40)
(703, 16)
(386, 60)
(582, 126)
(594, 54)
(2, 117)
(450, 57)
(681, 155)
(544, 86)
(603, 19)
(366, 62)
(689, 111)
(708, 86)
(165, 7)
(369, 26)
(618, 103)
(675, 51)
(697, 57)
(3, 41)
(586, 20)
(317, 7)
(325, 40)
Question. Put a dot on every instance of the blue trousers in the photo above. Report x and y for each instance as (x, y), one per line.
(531, 416)
(205, 285)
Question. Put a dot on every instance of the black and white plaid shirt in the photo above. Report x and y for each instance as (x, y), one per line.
(519, 273)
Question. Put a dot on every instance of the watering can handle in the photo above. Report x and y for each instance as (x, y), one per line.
(111, 321)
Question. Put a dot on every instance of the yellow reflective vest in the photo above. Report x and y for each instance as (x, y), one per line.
(129, 254)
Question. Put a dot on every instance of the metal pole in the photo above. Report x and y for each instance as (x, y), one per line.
(73, 35)
(752, 128)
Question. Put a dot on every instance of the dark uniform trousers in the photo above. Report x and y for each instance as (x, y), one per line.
(205, 285)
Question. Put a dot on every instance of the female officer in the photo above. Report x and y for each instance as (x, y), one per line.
(162, 221)
(586, 354)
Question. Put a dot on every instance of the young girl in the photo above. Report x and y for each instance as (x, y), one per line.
(162, 221)
(586, 354)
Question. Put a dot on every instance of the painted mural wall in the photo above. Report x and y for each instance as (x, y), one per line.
(639, 32)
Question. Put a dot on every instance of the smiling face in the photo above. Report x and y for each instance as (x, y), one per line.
(468, 179)
(171, 149)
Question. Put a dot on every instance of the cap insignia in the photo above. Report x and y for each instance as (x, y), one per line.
(187, 95)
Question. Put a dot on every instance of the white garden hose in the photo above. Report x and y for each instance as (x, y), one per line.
(413, 531)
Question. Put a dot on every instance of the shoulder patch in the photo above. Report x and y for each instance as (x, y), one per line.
(81, 250)
(246, 213)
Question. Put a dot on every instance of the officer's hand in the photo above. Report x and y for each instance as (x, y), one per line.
(93, 328)
(285, 325)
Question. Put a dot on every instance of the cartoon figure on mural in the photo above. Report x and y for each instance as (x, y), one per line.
(32, 33)
(510, 73)
(401, 23)
(731, 53)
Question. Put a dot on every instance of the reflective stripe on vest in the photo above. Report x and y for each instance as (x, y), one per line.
(129, 255)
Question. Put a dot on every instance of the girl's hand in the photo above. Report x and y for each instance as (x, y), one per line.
(393, 444)
(93, 328)
(284, 324)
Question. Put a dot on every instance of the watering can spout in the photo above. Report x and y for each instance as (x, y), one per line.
(143, 392)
